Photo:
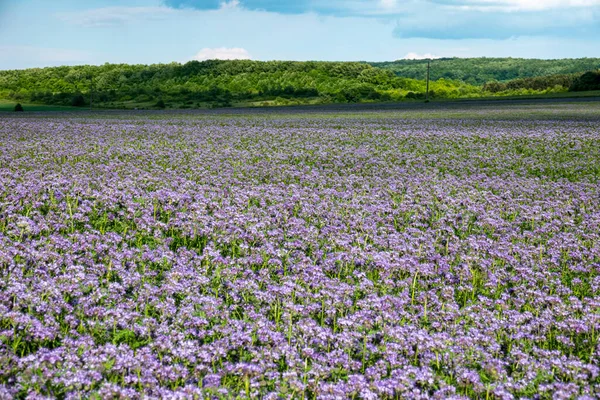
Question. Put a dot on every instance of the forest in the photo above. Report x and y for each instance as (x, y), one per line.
(218, 83)
(479, 71)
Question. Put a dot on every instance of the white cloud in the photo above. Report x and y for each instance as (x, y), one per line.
(110, 16)
(388, 4)
(432, 19)
(522, 5)
(230, 4)
(222, 53)
(416, 56)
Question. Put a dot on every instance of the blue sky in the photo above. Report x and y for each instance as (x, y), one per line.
(37, 33)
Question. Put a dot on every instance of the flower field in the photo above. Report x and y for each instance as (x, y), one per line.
(331, 256)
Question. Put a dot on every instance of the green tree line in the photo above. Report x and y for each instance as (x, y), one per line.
(218, 83)
(539, 83)
(546, 84)
(478, 71)
(588, 81)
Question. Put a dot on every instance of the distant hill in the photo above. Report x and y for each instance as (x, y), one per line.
(478, 71)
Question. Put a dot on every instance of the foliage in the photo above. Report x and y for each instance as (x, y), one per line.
(78, 101)
(478, 71)
(18, 108)
(539, 83)
(546, 84)
(588, 81)
(218, 83)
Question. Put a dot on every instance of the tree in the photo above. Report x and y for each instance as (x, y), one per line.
(160, 104)
(18, 108)
(78, 101)
(218, 82)
(588, 81)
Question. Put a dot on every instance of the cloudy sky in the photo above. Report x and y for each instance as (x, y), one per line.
(38, 33)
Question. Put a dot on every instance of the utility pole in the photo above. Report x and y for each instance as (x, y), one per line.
(428, 69)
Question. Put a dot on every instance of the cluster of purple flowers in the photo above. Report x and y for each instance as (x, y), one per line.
(299, 256)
